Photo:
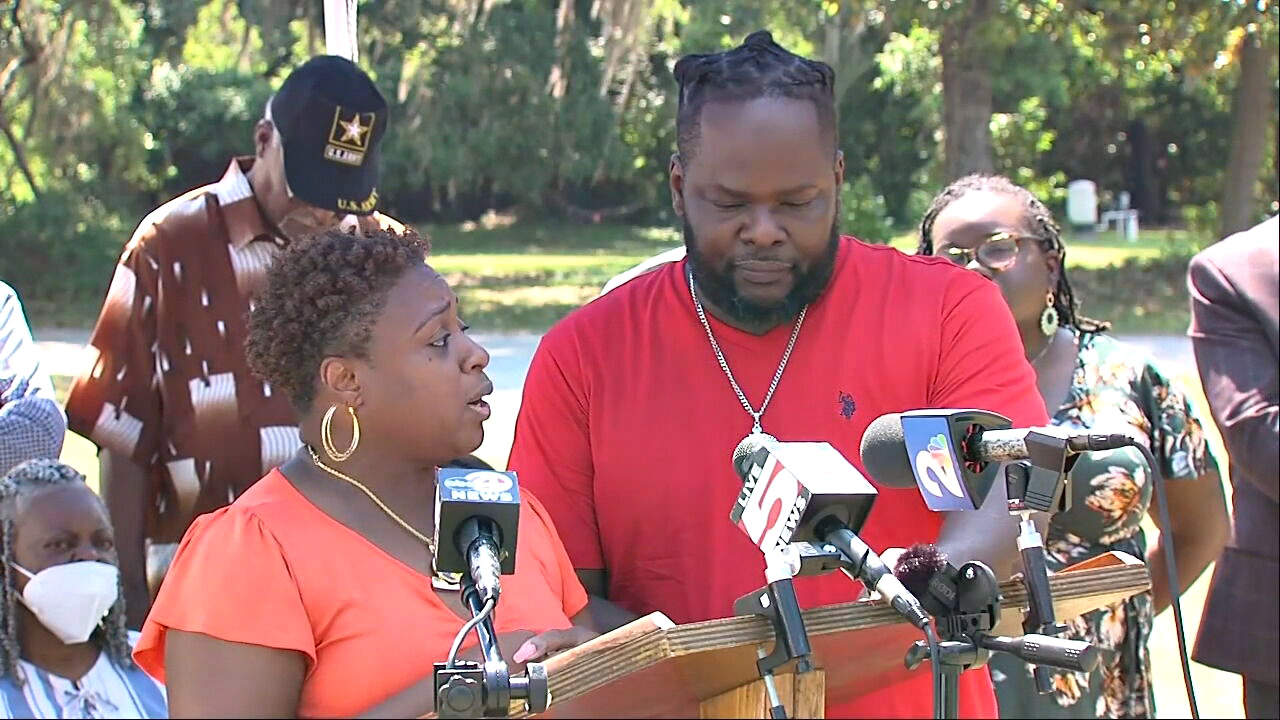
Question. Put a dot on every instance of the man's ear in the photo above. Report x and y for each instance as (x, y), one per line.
(675, 175)
(839, 170)
(263, 133)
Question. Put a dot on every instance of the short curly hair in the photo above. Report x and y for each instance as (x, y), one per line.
(321, 298)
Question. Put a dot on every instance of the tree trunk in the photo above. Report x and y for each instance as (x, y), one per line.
(1250, 113)
(847, 46)
(1143, 176)
(558, 78)
(966, 93)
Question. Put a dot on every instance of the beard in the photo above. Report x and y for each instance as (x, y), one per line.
(717, 287)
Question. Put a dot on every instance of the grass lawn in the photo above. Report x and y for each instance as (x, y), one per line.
(527, 277)
(1139, 286)
(513, 277)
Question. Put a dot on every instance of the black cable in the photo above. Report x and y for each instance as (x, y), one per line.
(466, 628)
(1175, 589)
(935, 662)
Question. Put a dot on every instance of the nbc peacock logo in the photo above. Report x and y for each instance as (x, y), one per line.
(936, 469)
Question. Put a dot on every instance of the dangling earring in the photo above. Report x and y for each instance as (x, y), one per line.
(1048, 318)
(326, 434)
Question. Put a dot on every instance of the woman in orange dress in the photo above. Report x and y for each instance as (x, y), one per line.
(313, 594)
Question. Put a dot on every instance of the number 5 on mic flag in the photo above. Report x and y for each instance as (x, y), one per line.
(770, 491)
(788, 486)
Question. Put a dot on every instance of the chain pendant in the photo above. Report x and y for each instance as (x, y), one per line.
(751, 443)
(757, 436)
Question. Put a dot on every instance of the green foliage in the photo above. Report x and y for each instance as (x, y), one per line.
(863, 213)
(492, 130)
(60, 281)
(199, 118)
(496, 104)
(1021, 139)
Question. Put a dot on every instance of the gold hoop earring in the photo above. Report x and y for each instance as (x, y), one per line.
(326, 435)
(1049, 318)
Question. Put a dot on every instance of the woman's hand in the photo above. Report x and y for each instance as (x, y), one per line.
(551, 642)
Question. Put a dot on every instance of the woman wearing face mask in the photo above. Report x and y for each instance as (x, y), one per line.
(314, 594)
(66, 650)
(1089, 381)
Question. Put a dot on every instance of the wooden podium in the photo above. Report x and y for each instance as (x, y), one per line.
(653, 668)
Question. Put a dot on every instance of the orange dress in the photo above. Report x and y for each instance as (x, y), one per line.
(272, 569)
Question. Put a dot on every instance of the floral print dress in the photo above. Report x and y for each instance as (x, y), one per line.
(1116, 388)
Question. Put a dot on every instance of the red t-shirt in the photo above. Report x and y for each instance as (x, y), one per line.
(628, 425)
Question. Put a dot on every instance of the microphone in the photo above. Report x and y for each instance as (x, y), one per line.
(943, 590)
(776, 507)
(953, 455)
(477, 517)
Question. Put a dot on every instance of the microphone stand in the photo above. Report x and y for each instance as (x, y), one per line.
(1030, 489)
(777, 603)
(471, 690)
(970, 598)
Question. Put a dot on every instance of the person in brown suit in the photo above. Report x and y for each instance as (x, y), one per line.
(1235, 330)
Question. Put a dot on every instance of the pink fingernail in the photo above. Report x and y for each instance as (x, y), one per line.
(524, 653)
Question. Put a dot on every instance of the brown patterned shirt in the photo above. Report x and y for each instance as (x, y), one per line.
(166, 382)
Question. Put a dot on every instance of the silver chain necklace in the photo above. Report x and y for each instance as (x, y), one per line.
(757, 433)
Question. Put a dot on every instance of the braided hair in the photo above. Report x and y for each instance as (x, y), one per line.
(757, 68)
(1044, 228)
(22, 481)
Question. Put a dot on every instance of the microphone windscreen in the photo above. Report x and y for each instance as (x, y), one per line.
(917, 566)
(742, 454)
(884, 453)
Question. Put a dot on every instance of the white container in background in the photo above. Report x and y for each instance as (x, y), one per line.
(1082, 203)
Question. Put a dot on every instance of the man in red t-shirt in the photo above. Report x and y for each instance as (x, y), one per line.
(634, 404)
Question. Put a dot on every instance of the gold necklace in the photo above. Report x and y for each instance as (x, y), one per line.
(440, 580)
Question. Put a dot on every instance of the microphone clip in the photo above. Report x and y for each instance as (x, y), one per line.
(966, 606)
(474, 690)
(777, 603)
(465, 689)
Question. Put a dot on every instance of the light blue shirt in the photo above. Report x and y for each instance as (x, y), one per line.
(31, 423)
(106, 691)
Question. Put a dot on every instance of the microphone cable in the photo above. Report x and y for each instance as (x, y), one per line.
(935, 663)
(1175, 588)
(466, 628)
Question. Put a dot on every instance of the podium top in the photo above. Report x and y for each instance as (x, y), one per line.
(652, 667)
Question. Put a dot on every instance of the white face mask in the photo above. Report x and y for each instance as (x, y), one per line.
(72, 598)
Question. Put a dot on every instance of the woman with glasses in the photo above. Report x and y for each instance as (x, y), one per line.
(1089, 381)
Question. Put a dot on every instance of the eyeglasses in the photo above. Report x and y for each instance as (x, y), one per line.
(999, 251)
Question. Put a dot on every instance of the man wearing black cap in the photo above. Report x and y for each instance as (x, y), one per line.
(165, 393)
